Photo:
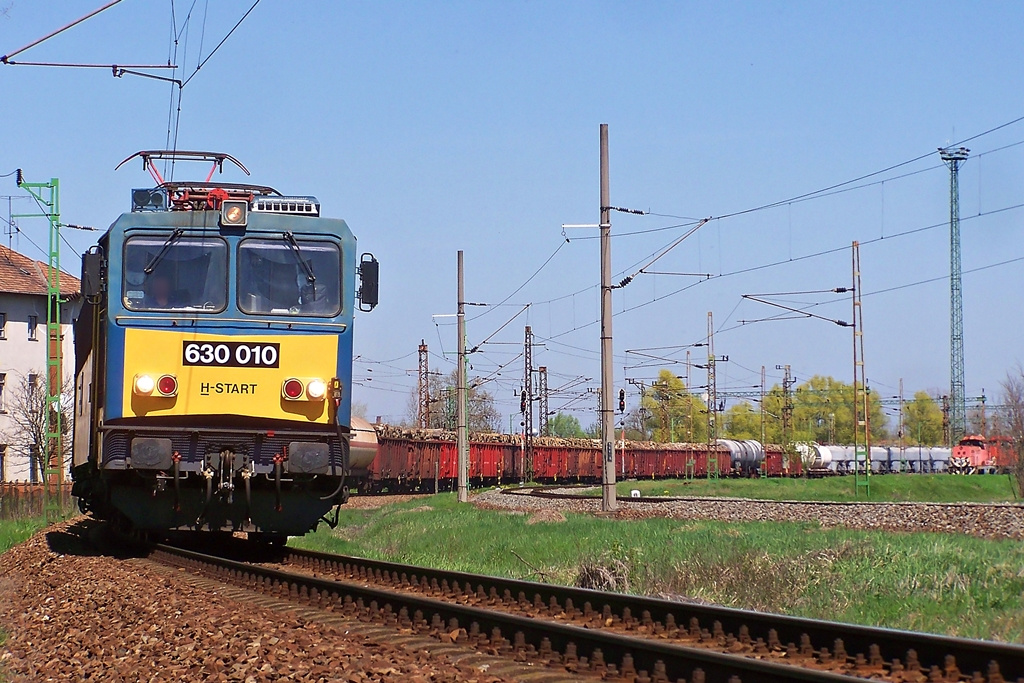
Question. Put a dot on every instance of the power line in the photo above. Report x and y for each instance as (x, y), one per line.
(223, 40)
(784, 262)
(520, 287)
(6, 58)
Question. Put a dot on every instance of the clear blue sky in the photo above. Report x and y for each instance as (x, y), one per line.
(433, 127)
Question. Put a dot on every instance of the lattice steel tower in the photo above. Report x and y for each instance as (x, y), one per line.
(542, 400)
(958, 406)
(423, 404)
(528, 408)
(712, 401)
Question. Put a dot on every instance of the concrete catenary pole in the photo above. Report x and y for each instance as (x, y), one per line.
(462, 431)
(608, 499)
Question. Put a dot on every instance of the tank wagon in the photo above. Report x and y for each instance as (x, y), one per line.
(214, 359)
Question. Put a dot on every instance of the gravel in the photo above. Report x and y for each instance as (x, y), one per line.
(362, 502)
(70, 614)
(974, 519)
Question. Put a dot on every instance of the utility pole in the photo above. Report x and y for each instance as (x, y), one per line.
(542, 402)
(689, 402)
(764, 429)
(608, 497)
(902, 444)
(528, 412)
(712, 384)
(945, 422)
(861, 393)
(48, 197)
(787, 410)
(958, 406)
(423, 385)
(462, 430)
(984, 423)
(712, 401)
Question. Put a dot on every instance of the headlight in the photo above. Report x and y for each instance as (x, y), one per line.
(316, 389)
(144, 385)
(234, 213)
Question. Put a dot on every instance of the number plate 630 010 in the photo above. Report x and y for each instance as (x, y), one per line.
(232, 354)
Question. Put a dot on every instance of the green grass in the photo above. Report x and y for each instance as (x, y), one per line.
(936, 488)
(941, 583)
(14, 531)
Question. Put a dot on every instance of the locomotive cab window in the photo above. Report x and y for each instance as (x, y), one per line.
(289, 276)
(175, 273)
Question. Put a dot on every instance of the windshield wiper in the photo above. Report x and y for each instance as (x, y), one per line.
(297, 251)
(155, 261)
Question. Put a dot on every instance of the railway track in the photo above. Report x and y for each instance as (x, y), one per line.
(618, 636)
(556, 492)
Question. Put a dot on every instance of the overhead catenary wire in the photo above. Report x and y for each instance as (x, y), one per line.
(528, 280)
(222, 41)
(625, 281)
(781, 262)
(6, 58)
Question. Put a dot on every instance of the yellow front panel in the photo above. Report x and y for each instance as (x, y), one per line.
(216, 390)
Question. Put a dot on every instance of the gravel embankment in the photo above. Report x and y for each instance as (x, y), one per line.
(70, 614)
(370, 502)
(974, 519)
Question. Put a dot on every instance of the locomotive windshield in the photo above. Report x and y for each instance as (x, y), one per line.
(173, 273)
(289, 276)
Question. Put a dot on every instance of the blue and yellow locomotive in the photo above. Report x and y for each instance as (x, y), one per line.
(214, 359)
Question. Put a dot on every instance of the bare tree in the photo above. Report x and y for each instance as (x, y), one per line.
(483, 415)
(1012, 419)
(26, 409)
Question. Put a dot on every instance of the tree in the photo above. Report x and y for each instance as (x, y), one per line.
(922, 421)
(742, 421)
(673, 413)
(822, 412)
(26, 409)
(565, 426)
(634, 422)
(1011, 418)
(483, 416)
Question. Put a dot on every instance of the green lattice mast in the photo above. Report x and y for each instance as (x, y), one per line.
(48, 197)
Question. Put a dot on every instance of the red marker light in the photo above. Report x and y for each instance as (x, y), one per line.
(292, 389)
(167, 385)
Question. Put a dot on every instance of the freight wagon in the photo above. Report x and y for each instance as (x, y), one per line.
(427, 461)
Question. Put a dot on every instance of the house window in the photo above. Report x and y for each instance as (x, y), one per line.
(3, 326)
(3, 458)
(33, 326)
(3, 405)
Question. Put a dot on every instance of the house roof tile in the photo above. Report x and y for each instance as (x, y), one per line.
(20, 274)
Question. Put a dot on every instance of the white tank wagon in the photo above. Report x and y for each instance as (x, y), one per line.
(362, 447)
(814, 456)
(746, 455)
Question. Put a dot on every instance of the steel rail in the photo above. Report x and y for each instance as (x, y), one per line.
(534, 639)
(930, 650)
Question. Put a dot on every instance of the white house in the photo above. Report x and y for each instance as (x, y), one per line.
(23, 348)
